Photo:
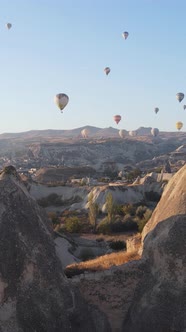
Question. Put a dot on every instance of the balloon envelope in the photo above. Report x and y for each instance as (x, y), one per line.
(132, 133)
(8, 25)
(156, 110)
(179, 125)
(85, 133)
(154, 132)
(125, 34)
(117, 118)
(61, 100)
(107, 70)
(122, 133)
(179, 96)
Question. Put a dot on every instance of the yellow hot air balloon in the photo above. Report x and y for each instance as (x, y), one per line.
(61, 100)
(179, 125)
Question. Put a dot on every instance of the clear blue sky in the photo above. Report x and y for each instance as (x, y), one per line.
(64, 45)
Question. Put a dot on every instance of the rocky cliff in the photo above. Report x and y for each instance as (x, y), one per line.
(159, 303)
(34, 293)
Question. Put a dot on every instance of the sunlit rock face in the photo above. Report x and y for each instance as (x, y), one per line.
(173, 201)
(34, 294)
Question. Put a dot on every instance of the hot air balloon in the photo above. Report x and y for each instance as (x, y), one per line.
(132, 133)
(179, 125)
(122, 133)
(85, 133)
(156, 110)
(8, 25)
(179, 96)
(184, 107)
(61, 100)
(107, 70)
(125, 34)
(117, 118)
(154, 132)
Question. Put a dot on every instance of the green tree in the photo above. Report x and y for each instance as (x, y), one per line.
(73, 225)
(110, 207)
(93, 211)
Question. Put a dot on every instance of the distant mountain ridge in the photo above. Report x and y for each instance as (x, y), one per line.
(62, 132)
(93, 132)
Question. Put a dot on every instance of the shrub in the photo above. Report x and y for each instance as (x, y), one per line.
(117, 226)
(72, 225)
(119, 209)
(117, 245)
(142, 223)
(104, 227)
(129, 209)
(140, 211)
(147, 214)
(132, 175)
(128, 224)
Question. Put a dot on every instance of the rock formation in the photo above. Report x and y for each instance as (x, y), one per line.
(159, 302)
(172, 203)
(34, 293)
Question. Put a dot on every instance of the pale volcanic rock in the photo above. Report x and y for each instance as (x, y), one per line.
(173, 201)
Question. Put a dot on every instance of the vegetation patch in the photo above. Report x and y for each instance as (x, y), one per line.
(101, 263)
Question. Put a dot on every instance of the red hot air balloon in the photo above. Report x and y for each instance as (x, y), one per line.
(117, 118)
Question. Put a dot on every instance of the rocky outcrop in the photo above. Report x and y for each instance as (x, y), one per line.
(76, 197)
(34, 293)
(172, 203)
(149, 191)
(159, 302)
